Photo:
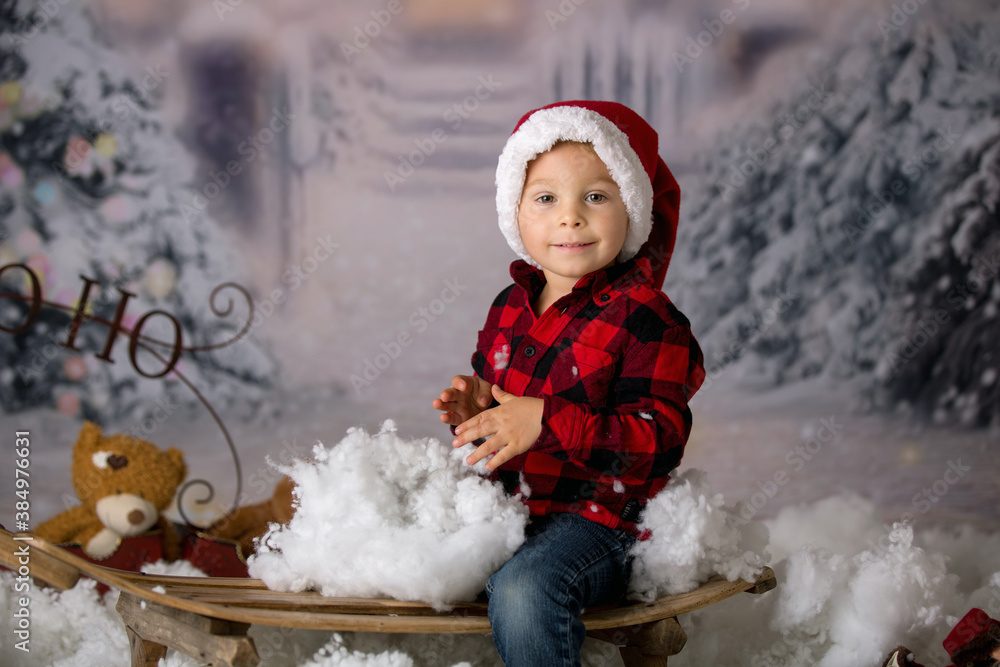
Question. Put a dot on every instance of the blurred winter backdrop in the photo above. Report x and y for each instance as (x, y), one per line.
(837, 254)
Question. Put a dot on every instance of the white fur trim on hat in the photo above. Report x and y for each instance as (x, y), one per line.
(538, 134)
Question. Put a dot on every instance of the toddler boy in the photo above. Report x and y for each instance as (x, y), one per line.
(583, 370)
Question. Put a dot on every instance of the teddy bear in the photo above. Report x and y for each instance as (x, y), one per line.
(124, 484)
(244, 524)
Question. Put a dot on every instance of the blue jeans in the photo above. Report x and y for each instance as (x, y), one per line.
(566, 563)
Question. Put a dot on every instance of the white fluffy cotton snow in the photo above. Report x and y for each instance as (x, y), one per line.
(380, 515)
(849, 590)
(71, 628)
(694, 535)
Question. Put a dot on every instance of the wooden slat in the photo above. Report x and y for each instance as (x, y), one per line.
(129, 606)
(193, 582)
(715, 589)
(315, 601)
(144, 653)
(43, 567)
(343, 615)
(155, 627)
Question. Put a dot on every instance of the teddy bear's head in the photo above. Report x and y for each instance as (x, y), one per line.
(128, 481)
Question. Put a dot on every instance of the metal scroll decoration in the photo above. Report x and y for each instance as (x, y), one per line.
(136, 341)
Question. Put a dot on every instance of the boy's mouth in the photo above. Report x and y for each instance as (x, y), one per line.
(573, 245)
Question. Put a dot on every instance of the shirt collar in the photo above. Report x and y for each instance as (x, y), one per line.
(611, 281)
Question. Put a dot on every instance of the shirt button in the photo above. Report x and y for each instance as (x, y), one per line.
(605, 298)
(529, 351)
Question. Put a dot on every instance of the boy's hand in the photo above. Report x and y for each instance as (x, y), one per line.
(514, 426)
(464, 399)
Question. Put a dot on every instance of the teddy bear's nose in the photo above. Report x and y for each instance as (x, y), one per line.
(135, 517)
(117, 461)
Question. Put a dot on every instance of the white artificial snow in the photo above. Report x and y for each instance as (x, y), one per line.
(385, 516)
(522, 486)
(694, 535)
(849, 590)
(501, 357)
(380, 515)
(71, 628)
(335, 654)
(178, 568)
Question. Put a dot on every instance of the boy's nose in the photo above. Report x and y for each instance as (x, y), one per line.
(570, 216)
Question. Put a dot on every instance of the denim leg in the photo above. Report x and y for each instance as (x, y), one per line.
(567, 563)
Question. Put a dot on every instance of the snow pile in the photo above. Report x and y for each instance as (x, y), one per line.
(71, 628)
(379, 515)
(336, 654)
(849, 596)
(694, 535)
(850, 589)
(386, 516)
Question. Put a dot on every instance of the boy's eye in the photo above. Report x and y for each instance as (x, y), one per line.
(595, 197)
(545, 199)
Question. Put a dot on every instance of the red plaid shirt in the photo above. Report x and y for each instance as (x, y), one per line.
(615, 363)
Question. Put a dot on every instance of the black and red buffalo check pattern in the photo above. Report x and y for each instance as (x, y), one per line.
(616, 365)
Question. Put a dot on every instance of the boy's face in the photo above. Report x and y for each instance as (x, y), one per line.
(571, 216)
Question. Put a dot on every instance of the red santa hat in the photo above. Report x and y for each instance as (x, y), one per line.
(626, 144)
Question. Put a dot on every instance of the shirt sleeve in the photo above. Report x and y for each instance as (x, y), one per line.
(641, 433)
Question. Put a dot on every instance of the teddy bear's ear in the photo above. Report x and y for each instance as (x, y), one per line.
(177, 464)
(86, 478)
(90, 436)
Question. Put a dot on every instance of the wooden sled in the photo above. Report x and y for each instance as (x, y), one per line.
(208, 618)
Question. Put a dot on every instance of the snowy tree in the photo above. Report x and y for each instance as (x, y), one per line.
(90, 181)
(853, 235)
